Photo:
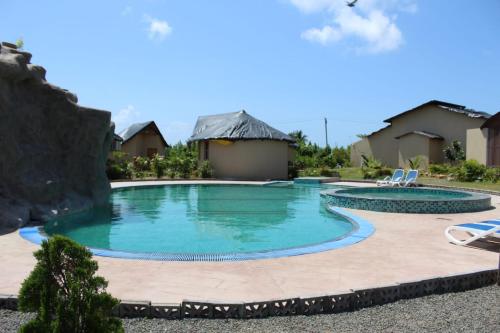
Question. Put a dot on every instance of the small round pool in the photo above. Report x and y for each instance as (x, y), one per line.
(420, 200)
(211, 222)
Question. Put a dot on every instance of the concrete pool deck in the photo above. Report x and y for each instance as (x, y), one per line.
(404, 247)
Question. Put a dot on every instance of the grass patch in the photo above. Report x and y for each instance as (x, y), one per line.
(347, 174)
(350, 173)
(474, 185)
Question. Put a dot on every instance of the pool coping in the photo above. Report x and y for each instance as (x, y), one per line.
(361, 231)
(350, 300)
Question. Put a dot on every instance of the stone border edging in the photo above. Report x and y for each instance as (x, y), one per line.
(351, 300)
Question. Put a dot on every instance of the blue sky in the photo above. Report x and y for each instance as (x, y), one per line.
(287, 62)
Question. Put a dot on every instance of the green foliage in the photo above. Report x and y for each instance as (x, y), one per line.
(205, 170)
(376, 173)
(416, 162)
(373, 168)
(454, 153)
(439, 169)
(158, 165)
(20, 43)
(64, 292)
(492, 175)
(117, 166)
(470, 171)
(370, 162)
(311, 156)
(293, 170)
(181, 160)
(327, 172)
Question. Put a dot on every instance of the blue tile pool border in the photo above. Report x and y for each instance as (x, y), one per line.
(362, 230)
(358, 198)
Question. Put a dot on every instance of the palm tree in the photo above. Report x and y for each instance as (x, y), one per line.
(299, 136)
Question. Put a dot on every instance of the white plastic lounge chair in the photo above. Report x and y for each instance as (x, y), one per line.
(397, 176)
(410, 180)
(490, 228)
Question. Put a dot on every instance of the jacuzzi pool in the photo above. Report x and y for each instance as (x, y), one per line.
(420, 200)
(210, 222)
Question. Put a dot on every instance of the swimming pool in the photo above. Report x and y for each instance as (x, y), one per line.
(211, 222)
(420, 200)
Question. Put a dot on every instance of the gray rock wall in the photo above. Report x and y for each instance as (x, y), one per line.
(52, 151)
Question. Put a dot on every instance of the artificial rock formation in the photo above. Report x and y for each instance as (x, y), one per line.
(52, 151)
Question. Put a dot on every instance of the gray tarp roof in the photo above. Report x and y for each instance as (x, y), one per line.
(235, 126)
(133, 129)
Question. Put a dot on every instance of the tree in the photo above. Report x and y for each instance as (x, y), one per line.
(299, 136)
(20, 43)
(64, 292)
(454, 152)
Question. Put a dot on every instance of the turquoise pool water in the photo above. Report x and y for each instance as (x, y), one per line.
(200, 219)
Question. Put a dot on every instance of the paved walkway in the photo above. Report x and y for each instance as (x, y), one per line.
(404, 247)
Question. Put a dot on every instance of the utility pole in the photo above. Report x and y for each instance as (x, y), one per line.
(326, 131)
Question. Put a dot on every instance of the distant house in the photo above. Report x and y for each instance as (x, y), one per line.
(240, 146)
(486, 142)
(116, 143)
(425, 131)
(143, 139)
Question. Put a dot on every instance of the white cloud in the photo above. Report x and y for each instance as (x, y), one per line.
(373, 22)
(158, 29)
(125, 117)
(323, 36)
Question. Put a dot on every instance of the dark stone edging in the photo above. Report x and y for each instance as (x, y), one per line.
(351, 300)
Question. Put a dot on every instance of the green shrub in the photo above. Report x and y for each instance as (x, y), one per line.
(158, 165)
(454, 153)
(416, 163)
(470, 171)
(370, 173)
(293, 170)
(64, 292)
(116, 166)
(181, 161)
(439, 169)
(492, 175)
(309, 172)
(327, 172)
(205, 170)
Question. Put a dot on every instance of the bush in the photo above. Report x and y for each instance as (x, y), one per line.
(64, 293)
(416, 163)
(454, 153)
(439, 169)
(116, 166)
(470, 171)
(370, 173)
(205, 170)
(327, 172)
(181, 161)
(492, 175)
(293, 170)
(158, 165)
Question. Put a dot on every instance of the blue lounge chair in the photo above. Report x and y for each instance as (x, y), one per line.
(490, 228)
(397, 176)
(410, 180)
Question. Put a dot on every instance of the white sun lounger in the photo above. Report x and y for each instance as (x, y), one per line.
(490, 228)
(397, 176)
